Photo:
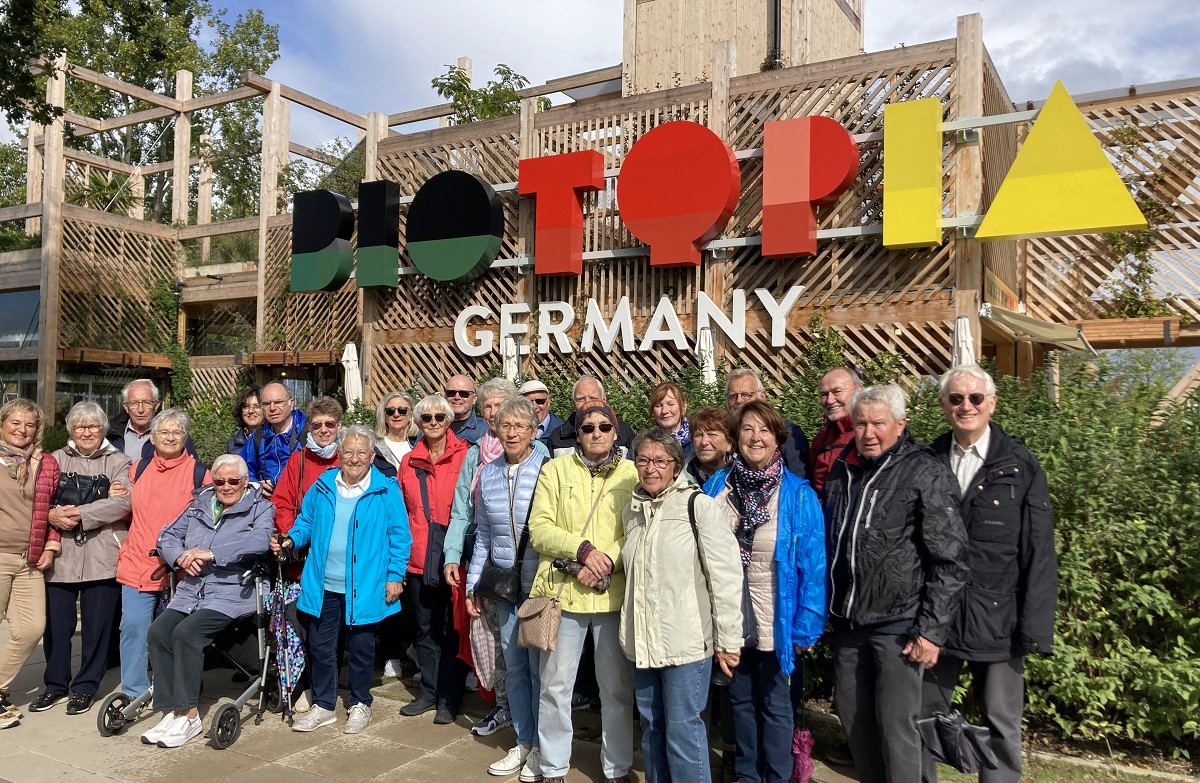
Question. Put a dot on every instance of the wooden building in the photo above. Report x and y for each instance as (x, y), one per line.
(101, 276)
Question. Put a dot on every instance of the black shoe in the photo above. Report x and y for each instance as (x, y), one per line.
(46, 701)
(444, 715)
(418, 707)
(80, 703)
(4, 702)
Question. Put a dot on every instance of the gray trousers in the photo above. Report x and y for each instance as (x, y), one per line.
(878, 701)
(999, 691)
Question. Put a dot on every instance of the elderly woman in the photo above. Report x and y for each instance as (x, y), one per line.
(160, 489)
(248, 413)
(576, 519)
(428, 475)
(92, 512)
(668, 409)
(395, 431)
(349, 512)
(683, 588)
(779, 527)
(503, 560)
(209, 546)
(28, 544)
(304, 467)
(712, 442)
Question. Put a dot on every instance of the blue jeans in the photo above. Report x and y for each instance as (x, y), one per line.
(323, 658)
(137, 612)
(522, 680)
(674, 737)
(762, 719)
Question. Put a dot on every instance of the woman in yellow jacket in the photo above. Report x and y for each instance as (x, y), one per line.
(576, 521)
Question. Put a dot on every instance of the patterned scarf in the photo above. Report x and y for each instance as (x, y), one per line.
(324, 452)
(490, 449)
(754, 489)
(605, 467)
(683, 434)
(17, 462)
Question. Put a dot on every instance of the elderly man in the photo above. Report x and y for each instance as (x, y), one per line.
(743, 385)
(460, 392)
(537, 393)
(284, 431)
(1007, 610)
(837, 388)
(129, 431)
(897, 562)
(586, 393)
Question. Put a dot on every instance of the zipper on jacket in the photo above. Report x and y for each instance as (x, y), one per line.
(854, 536)
(837, 549)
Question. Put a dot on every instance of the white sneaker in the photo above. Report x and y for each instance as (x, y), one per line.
(512, 762)
(359, 717)
(304, 702)
(393, 667)
(317, 717)
(182, 732)
(532, 771)
(152, 736)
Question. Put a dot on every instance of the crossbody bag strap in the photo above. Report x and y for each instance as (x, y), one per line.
(422, 478)
(583, 532)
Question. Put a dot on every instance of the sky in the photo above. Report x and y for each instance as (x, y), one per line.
(380, 55)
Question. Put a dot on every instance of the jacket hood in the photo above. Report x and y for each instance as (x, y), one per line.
(104, 450)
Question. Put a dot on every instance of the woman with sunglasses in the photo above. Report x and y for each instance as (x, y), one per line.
(428, 475)
(576, 522)
(396, 430)
(248, 415)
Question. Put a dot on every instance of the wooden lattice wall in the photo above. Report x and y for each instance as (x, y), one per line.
(213, 382)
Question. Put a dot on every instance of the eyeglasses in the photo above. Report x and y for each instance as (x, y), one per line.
(579, 400)
(140, 404)
(251, 408)
(170, 434)
(275, 403)
(355, 454)
(227, 482)
(323, 425)
(588, 429)
(661, 464)
(86, 428)
(538, 400)
(428, 417)
(745, 396)
(510, 426)
(401, 411)
(976, 398)
(452, 393)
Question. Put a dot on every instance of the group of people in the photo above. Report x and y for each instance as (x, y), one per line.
(700, 558)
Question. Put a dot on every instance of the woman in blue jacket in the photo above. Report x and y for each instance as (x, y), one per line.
(780, 531)
(355, 525)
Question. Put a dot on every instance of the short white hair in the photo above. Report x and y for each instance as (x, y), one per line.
(177, 415)
(968, 371)
(743, 372)
(888, 394)
(357, 431)
(87, 412)
(501, 388)
(588, 379)
(235, 460)
(153, 389)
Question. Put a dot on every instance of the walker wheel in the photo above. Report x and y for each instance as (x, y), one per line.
(272, 697)
(111, 719)
(226, 726)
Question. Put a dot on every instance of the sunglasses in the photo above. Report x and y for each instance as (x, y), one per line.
(227, 482)
(588, 429)
(428, 417)
(323, 425)
(976, 398)
(538, 400)
(401, 411)
(451, 393)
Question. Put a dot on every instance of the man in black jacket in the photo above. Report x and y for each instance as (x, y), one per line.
(897, 562)
(1008, 604)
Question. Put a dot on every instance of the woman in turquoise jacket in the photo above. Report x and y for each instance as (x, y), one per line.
(777, 521)
(355, 525)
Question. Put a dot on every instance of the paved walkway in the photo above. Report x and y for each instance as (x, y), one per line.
(52, 746)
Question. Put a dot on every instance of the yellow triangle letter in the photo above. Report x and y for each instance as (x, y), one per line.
(1061, 182)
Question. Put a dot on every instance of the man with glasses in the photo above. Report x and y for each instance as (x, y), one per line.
(743, 385)
(537, 393)
(129, 431)
(460, 393)
(1008, 605)
(586, 393)
(283, 432)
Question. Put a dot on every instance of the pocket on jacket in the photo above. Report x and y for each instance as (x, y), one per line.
(990, 616)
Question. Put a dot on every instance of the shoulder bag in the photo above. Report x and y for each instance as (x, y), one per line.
(77, 489)
(496, 582)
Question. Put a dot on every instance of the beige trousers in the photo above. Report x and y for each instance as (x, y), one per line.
(23, 603)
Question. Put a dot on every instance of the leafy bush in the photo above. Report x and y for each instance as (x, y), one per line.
(212, 425)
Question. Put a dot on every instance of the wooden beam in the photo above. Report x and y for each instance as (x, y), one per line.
(87, 122)
(125, 88)
(283, 358)
(99, 161)
(316, 104)
(221, 98)
(312, 154)
(112, 220)
(724, 68)
(21, 270)
(159, 168)
(204, 195)
(586, 79)
(18, 354)
(420, 115)
(33, 176)
(273, 128)
(201, 290)
(181, 181)
(20, 212)
(113, 358)
(968, 181)
(236, 226)
(52, 247)
(628, 46)
(1132, 332)
(124, 121)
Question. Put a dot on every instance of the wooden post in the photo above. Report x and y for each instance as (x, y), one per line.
(204, 194)
(137, 189)
(377, 131)
(273, 124)
(464, 65)
(52, 245)
(368, 298)
(629, 49)
(968, 164)
(801, 33)
(33, 174)
(527, 282)
(724, 67)
(1025, 359)
(181, 182)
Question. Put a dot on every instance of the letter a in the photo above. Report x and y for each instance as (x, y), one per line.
(1061, 182)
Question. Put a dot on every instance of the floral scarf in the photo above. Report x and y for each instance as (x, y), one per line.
(683, 434)
(754, 489)
(16, 461)
(605, 467)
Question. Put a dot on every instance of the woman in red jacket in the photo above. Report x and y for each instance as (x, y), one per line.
(28, 544)
(427, 476)
(305, 466)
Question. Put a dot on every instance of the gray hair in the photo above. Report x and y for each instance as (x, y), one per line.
(662, 438)
(968, 371)
(87, 412)
(497, 387)
(588, 379)
(888, 394)
(519, 408)
(743, 372)
(235, 460)
(357, 431)
(381, 426)
(177, 415)
(153, 389)
(434, 403)
(851, 373)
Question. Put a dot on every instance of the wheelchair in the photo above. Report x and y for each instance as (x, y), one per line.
(118, 712)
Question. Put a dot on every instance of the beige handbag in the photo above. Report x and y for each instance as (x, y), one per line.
(539, 617)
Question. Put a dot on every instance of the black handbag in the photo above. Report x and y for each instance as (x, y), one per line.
(435, 541)
(499, 583)
(77, 489)
(949, 738)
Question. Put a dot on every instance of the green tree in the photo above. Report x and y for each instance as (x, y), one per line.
(497, 98)
(12, 193)
(107, 192)
(27, 33)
